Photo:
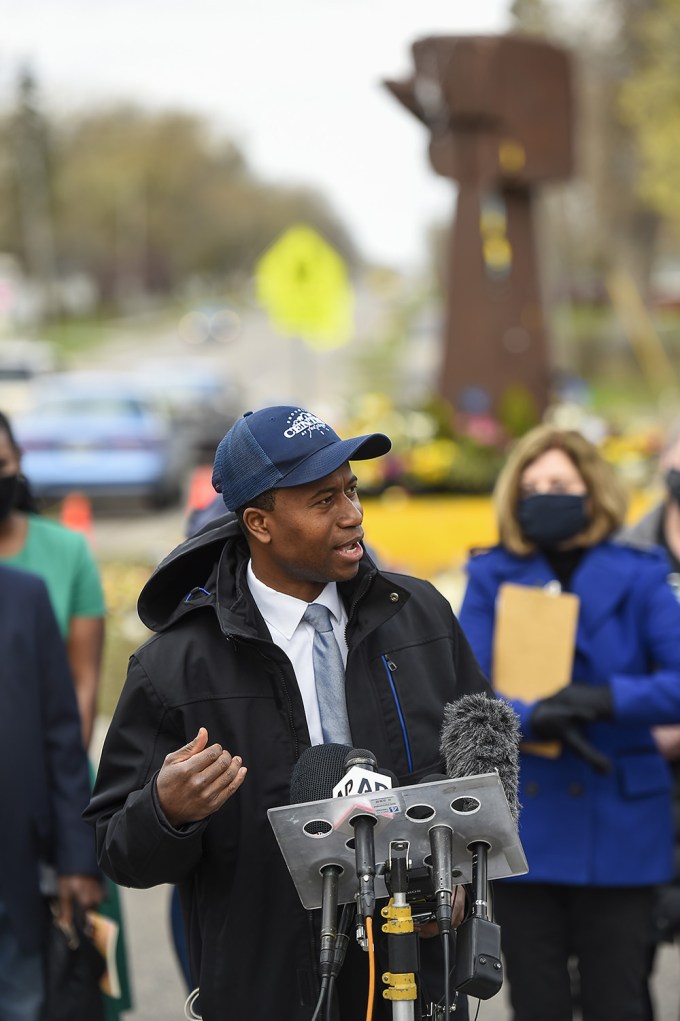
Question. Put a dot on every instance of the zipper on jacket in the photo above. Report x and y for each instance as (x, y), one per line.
(390, 667)
(289, 709)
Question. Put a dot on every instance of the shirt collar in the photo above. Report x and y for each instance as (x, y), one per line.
(285, 612)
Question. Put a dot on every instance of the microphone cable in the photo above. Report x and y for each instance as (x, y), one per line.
(341, 944)
(446, 947)
(447, 956)
(445, 999)
(447, 990)
(368, 921)
(325, 983)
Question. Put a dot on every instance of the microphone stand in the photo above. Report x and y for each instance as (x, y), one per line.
(373, 818)
(402, 940)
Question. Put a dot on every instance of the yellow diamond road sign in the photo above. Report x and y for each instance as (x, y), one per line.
(302, 283)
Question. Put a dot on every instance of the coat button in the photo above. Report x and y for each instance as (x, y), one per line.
(575, 790)
(531, 789)
(394, 597)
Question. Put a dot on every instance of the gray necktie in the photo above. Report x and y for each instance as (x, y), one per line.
(329, 676)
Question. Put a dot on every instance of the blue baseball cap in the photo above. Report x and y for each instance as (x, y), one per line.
(281, 447)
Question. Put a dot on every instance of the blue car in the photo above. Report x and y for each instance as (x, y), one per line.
(100, 436)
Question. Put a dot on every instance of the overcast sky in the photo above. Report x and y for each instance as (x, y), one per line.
(296, 82)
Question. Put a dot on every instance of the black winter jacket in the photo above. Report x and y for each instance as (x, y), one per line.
(212, 663)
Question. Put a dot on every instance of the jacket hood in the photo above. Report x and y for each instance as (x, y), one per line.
(187, 569)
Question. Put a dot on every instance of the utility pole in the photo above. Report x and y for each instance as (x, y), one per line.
(30, 151)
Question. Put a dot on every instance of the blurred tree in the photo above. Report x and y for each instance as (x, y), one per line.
(147, 201)
(650, 103)
(601, 219)
(532, 16)
(30, 137)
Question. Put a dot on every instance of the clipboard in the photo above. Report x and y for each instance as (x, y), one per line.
(533, 647)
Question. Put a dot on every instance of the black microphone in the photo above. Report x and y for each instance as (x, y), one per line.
(364, 842)
(441, 853)
(441, 868)
(317, 771)
(361, 757)
(481, 735)
(314, 776)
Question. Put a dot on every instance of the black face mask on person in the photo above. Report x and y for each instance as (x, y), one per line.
(673, 484)
(549, 519)
(8, 492)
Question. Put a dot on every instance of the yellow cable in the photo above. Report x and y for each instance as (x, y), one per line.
(371, 968)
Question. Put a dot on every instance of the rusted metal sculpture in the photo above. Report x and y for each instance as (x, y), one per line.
(499, 111)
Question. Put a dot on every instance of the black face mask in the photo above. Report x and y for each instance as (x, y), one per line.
(673, 484)
(8, 493)
(549, 519)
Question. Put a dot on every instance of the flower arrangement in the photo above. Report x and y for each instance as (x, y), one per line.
(437, 449)
(434, 449)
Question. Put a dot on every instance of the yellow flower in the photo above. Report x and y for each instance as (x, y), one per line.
(432, 462)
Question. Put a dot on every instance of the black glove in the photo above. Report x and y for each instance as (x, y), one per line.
(549, 721)
(586, 702)
(561, 717)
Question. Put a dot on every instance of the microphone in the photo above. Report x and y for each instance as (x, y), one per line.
(314, 776)
(362, 776)
(481, 735)
(441, 857)
(364, 843)
(441, 853)
(317, 771)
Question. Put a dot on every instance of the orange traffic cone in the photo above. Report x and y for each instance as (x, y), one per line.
(201, 491)
(76, 513)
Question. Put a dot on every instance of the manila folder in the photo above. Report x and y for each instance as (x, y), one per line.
(533, 649)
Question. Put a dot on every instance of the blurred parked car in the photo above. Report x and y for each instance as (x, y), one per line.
(101, 436)
(200, 400)
(22, 360)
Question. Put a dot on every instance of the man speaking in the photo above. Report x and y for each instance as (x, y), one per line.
(273, 632)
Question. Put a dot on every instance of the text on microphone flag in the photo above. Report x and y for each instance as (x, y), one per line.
(358, 780)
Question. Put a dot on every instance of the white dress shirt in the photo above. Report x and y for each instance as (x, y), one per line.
(283, 617)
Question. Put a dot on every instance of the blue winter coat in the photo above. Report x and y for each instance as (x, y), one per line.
(579, 827)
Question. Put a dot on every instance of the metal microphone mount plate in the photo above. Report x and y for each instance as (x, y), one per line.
(318, 833)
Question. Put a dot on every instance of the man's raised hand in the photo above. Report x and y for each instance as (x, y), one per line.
(196, 780)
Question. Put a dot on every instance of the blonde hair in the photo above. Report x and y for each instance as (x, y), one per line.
(607, 497)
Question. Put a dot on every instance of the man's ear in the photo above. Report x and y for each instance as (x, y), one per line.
(256, 524)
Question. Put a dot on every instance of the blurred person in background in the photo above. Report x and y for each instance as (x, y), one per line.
(661, 526)
(596, 821)
(63, 559)
(199, 517)
(40, 746)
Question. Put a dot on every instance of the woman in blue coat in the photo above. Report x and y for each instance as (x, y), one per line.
(596, 820)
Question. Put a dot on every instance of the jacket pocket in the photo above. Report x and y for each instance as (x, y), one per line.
(642, 774)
